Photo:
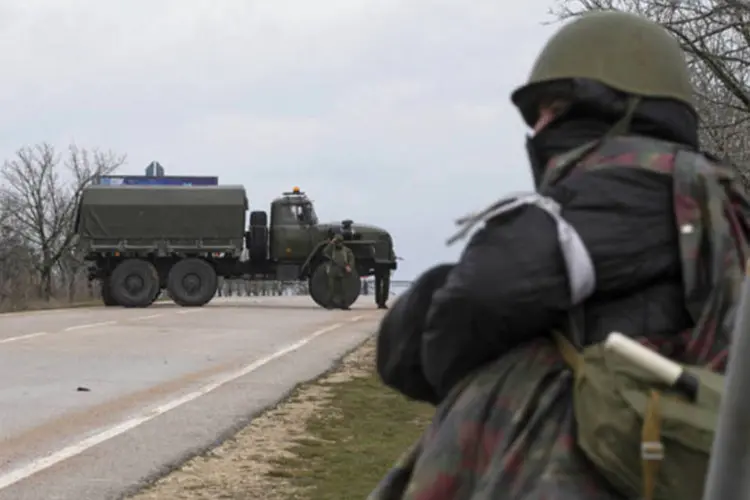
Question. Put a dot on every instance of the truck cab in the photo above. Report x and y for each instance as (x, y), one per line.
(290, 242)
(293, 232)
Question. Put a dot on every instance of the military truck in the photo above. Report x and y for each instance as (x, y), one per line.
(140, 240)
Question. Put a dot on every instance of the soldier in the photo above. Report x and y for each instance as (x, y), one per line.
(382, 286)
(341, 263)
(631, 229)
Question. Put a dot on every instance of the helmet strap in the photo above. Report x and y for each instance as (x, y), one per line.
(623, 124)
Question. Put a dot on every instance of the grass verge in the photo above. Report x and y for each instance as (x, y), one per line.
(332, 439)
(354, 438)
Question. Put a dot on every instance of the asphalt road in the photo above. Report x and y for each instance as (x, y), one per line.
(95, 401)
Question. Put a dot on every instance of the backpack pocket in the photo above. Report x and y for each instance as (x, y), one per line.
(646, 439)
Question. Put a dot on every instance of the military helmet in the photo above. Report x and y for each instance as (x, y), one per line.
(337, 238)
(622, 51)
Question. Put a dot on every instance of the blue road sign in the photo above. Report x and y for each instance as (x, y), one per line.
(142, 180)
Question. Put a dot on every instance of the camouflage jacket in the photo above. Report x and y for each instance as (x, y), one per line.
(506, 430)
(339, 257)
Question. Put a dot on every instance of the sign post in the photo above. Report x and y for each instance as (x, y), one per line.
(154, 169)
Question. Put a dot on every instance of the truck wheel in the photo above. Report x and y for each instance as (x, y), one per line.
(258, 219)
(192, 282)
(107, 293)
(352, 288)
(318, 285)
(156, 295)
(134, 283)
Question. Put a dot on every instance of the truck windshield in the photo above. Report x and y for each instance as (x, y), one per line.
(294, 212)
(308, 212)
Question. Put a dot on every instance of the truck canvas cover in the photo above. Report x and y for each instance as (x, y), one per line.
(175, 213)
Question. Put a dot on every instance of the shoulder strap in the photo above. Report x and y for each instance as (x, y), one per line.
(699, 214)
(711, 265)
(569, 352)
(561, 165)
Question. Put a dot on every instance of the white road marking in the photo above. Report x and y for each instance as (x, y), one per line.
(89, 325)
(40, 312)
(24, 472)
(150, 316)
(83, 326)
(23, 337)
(94, 307)
(106, 323)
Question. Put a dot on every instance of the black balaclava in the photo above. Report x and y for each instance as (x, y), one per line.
(597, 110)
(561, 136)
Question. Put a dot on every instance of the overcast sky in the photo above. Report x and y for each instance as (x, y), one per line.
(390, 112)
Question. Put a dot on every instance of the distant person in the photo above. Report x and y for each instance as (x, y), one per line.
(382, 288)
(631, 229)
(340, 264)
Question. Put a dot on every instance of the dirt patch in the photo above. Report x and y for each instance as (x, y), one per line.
(324, 442)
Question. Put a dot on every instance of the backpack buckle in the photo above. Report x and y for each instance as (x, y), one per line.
(652, 451)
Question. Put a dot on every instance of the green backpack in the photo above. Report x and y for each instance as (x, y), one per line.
(646, 439)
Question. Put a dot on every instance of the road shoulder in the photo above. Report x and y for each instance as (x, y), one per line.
(333, 437)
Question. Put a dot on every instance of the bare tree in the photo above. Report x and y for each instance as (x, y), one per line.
(40, 194)
(715, 35)
(15, 263)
